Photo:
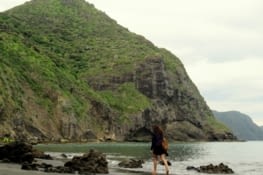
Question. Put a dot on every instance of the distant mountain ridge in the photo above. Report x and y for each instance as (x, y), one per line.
(241, 124)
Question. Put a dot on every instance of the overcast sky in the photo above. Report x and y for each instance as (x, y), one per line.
(220, 42)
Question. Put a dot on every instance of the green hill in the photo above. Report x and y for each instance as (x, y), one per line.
(241, 125)
(68, 71)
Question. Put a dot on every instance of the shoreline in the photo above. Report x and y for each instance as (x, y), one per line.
(15, 169)
(14, 161)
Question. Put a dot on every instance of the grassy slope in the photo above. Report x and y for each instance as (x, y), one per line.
(53, 49)
(52, 46)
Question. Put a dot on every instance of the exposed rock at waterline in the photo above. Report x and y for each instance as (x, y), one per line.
(92, 162)
(19, 152)
(131, 163)
(212, 169)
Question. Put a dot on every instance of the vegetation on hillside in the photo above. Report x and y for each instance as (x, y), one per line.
(52, 49)
(241, 125)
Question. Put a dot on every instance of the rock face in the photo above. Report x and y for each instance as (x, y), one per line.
(182, 113)
(151, 79)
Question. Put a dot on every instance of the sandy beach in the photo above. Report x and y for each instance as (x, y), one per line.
(15, 169)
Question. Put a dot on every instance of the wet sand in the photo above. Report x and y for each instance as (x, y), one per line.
(15, 169)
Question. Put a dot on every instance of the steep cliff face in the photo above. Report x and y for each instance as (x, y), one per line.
(176, 105)
(69, 72)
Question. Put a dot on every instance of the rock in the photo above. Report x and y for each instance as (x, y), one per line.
(191, 168)
(93, 162)
(41, 155)
(20, 152)
(212, 169)
(17, 152)
(89, 135)
(63, 155)
(131, 163)
(59, 169)
(29, 166)
(46, 168)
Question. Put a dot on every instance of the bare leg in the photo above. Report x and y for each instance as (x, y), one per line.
(165, 163)
(155, 161)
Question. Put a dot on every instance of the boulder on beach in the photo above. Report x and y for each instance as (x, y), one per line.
(212, 169)
(19, 152)
(92, 162)
(23, 153)
(131, 163)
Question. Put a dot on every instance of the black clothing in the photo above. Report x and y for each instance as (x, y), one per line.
(156, 146)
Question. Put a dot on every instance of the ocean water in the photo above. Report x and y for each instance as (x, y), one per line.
(245, 158)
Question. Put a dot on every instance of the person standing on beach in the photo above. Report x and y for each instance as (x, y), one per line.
(157, 150)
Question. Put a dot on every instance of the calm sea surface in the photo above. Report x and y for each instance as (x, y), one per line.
(245, 158)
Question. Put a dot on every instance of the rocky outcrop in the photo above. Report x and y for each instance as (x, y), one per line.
(131, 163)
(151, 79)
(176, 105)
(46, 168)
(92, 162)
(212, 169)
(182, 113)
(19, 152)
(25, 154)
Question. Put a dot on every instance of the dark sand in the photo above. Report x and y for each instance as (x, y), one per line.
(15, 169)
